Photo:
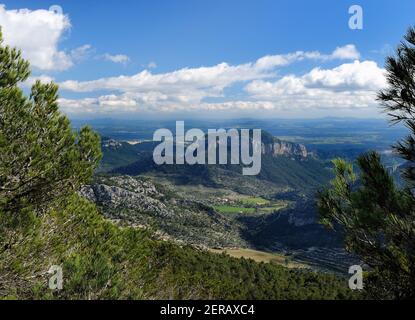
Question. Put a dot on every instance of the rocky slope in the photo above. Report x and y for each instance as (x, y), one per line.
(125, 194)
(138, 202)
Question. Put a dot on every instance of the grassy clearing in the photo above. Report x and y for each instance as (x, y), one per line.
(230, 209)
(261, 256)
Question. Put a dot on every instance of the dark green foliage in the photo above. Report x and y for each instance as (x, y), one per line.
(13, 69)
(377, 217)
(399, 98)
(378, 222)
(41, 158)
(304, 175)
(222, 277)
(103, 261)
(97, 257)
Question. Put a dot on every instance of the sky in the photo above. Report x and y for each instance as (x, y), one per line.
(208, 58)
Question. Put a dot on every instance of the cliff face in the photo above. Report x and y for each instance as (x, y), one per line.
(282, 148)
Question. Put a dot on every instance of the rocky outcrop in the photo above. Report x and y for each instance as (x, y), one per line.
(135, 185)
(126, 193)
(282, 148)
(139, 202)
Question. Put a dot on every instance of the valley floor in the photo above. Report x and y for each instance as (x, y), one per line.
(262, 256)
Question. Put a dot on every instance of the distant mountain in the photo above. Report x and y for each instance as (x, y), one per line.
(285, 166)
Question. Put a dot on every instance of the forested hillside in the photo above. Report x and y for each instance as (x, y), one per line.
(103, 261)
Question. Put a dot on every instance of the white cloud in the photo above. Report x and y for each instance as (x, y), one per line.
(79, 106)
(37, 33)
(208, 79)
(43, 78)
(348, 86)
(117, 58)
(360, 75)
(211, 80)
(347, 52)
(366, 76)
(351, 85)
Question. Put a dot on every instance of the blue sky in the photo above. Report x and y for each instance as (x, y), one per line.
(202, 58)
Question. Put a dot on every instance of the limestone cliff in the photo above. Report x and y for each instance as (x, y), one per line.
(283, 148)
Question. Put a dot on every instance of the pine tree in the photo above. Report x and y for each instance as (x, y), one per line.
(399, 98)
(41, 158)
(376, 217)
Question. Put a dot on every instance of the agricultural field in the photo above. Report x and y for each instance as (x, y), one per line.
(249, 205)
(261, 256)
(230, 209)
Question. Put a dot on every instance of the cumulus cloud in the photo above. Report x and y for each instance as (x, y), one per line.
(347, 52)
(79, 106)
(42, 78)
(366, 76)
(359, 75)
(211, 80)
(125, 104)
(349, 85)
(37, 33)
(117, 58)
